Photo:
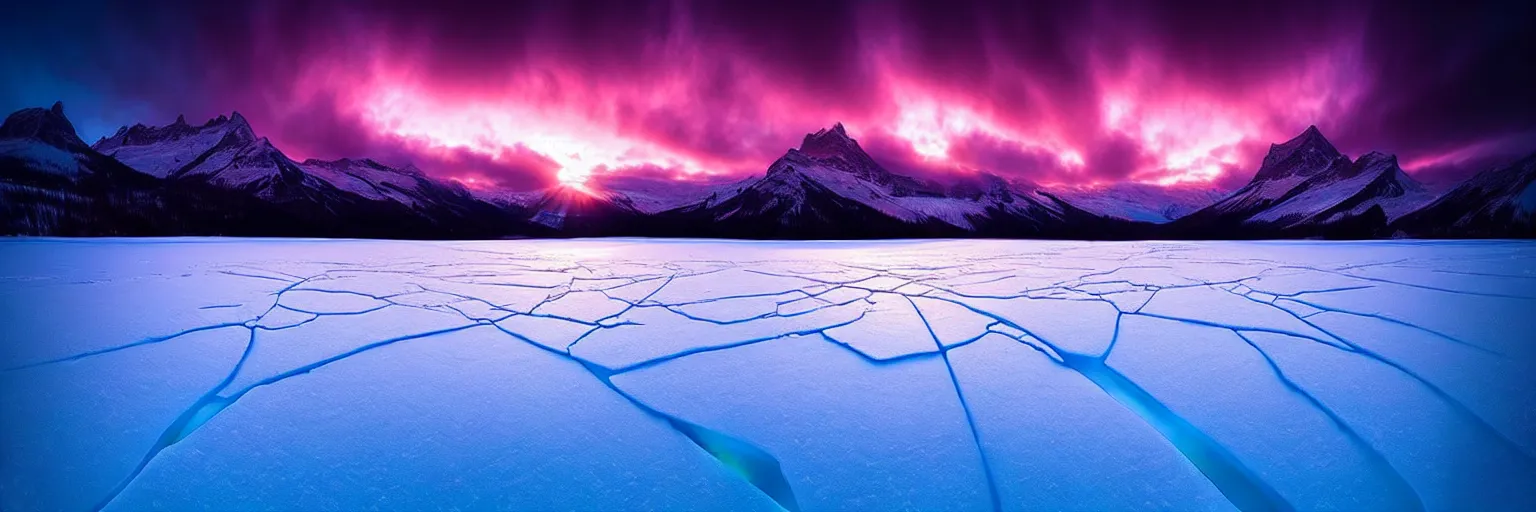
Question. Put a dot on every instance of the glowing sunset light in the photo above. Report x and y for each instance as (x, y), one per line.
(494, 129)
(530, 95)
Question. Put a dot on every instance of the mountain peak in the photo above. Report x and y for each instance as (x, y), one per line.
(236, 123)
(829, 142)
(1306, 154)
(181, 120)
(1310, 137)
(1380, 163)
(1377, 157)
(47, 125)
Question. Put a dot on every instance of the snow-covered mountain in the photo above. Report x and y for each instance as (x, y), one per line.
(372, 180)
(1138, 201)
(44, 141)
(1499, 202)
(221, 178)
(179, 148)
(217, 178)
(1307, 184)
(652, 195)
(223, 152)
(830, 188)
(52, 183)
(226, 152)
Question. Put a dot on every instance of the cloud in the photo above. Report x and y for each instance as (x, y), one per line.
(1072, 92)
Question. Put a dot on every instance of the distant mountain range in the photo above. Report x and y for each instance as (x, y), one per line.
(220, 178)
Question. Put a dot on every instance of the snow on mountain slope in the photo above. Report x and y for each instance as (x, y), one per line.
(1499, 202)
(1391, 189)
(373, 180)
(790, 172)
(40, 156)
(1374, 179)
(574, 210)
(43, 140)
(226, 152)
(257, 166)
(1307, 182)
(165, 151)
(1285, 169)
(1139, 202)
(651, 195)
(831, 183)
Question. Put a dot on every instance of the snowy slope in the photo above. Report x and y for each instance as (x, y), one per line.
(829, 185)
(1305, 182)
(52, 183)
(1139, 202)
(570, 210)
(43, 140)
(169, 150)
(375, 181)
(41, 156)
(716, 375)
(1499, 202)
(1373, 180)
(1286, 170)
(226, 152)
(217, 179)
(650, 195)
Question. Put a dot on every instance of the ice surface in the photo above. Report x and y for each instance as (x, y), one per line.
(525, 430)
(849, 434)
(628, 374)
(1452, 461)
(890, 329)
(72, 432)
(1218, 383)
(951, 323)
(1056, 442)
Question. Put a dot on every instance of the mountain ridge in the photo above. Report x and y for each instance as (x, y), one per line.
(828, 187)
(1305, 187)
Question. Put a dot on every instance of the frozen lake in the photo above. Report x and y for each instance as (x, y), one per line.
(705, 375)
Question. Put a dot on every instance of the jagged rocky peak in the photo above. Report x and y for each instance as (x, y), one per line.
(829, 142)
(368, 163)
(47, 125)
(1306, 154)
(1377, 158)
(141, 135)
(834, 148)
(234, 123)
(1378, 163)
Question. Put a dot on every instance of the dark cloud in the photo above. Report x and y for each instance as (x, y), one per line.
(1018, 88)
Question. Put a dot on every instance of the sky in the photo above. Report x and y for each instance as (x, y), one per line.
(527, 95)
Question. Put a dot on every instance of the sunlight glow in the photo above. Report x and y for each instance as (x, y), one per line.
(501, 130)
